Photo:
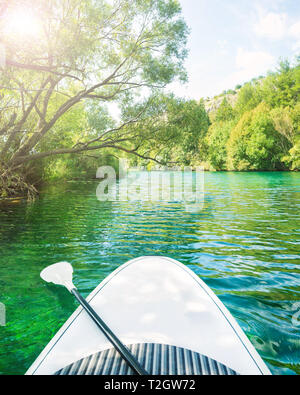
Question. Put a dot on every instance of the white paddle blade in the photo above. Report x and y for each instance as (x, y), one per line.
(60, 273)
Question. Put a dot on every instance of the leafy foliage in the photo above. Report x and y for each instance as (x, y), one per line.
(225, 112)
(86, 50)
(217, 138)
(174, 129)
(262, 130)
(89, 56)
(254, 143)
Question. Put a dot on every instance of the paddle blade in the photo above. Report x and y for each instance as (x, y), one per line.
(60, 273)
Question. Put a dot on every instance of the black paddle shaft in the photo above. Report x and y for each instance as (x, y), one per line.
(119, 346)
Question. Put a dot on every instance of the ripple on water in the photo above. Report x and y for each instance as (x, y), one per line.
(244, 244)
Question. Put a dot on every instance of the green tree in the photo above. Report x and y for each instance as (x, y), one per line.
(87, 50)
(189, 121)
(282, 88)
(254, 143)
(79, 122)
(217, 137)
(225, 112)
(283, 123)
(249, 97)
(292, 159)
(174, 130)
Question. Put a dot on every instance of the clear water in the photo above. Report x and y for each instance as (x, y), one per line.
(244, 244)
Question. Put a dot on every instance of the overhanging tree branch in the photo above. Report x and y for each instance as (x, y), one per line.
(82, 42)
(47, 69)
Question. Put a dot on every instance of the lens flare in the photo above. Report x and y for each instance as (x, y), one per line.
(22, 23)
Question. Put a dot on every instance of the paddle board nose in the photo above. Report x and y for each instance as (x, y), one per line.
(154, 303)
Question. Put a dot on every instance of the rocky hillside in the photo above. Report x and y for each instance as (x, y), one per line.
(212, 104)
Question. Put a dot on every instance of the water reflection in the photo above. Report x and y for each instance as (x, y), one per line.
(244, 243)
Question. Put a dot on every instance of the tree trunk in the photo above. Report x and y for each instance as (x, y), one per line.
(14, 184)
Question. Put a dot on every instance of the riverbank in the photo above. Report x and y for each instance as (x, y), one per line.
(16, 199)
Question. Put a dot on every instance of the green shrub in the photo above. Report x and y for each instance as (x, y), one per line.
(254, 143)
(216, 139)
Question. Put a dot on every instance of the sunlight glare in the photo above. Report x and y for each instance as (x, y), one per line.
(23, 23)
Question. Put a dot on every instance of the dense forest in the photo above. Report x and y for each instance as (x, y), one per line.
(253, 127)
(57, 89)
(261, 130)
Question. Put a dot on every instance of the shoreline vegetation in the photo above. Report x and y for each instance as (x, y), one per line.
(48, 183)
(56, 121)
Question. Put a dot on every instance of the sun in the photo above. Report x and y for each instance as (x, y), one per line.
(22, 23)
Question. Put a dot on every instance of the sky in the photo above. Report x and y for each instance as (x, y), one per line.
(233, 41)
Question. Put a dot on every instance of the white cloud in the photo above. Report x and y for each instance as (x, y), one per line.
(277, 26)
(223, 46)
(294, 30)
(271, 25)
(294, 33)
(249, 64)
(296, 47)
(197, 86)
(254, 61)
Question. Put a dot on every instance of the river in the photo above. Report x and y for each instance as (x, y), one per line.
(244, 244)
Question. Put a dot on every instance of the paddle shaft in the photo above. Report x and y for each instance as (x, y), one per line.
(119, 346)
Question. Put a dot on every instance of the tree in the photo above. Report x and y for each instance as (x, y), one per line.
(87, 50)
(294, 156)
(217, 137)
(249, 97)
(281, 89)
(283, 123)
(292, 159)
(225, 112)
(190, 122)
(254, 143)
(173, 130)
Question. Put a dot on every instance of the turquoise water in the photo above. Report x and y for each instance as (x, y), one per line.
(244, 244)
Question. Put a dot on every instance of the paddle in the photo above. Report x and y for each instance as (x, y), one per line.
(61, 274)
